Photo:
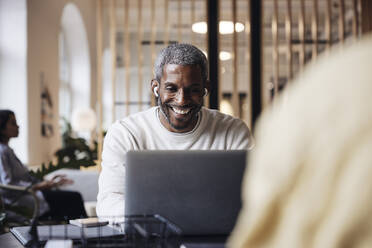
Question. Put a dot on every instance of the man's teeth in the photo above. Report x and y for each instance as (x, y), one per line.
(181, 111)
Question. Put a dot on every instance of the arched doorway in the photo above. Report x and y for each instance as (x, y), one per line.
(74, 63)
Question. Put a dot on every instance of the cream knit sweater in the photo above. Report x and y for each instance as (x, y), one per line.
(144, 131)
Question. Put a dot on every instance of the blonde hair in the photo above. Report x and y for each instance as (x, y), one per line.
(309, 179)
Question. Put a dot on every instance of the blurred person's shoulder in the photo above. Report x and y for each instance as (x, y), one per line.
(5, 150)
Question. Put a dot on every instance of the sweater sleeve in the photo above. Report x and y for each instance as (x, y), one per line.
(5, 171)
(110, 199)
(12, 171)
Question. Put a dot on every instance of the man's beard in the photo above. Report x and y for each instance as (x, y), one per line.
(164, 108)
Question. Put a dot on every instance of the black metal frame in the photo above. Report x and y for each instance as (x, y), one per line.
(255, 49)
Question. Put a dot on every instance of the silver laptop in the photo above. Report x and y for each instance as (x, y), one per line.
(199, 191)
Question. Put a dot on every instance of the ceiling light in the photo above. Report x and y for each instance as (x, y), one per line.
(199, 27)
(225, 55)
(226, 27)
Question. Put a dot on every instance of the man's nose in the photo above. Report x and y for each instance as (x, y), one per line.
(182, 97)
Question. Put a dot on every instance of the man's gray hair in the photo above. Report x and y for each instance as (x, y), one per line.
(181, 54)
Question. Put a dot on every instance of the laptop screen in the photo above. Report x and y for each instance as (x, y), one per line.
(199, 191)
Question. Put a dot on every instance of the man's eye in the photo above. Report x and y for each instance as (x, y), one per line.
(171, 89)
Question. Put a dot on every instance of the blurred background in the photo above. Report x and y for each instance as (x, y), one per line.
(70, 68)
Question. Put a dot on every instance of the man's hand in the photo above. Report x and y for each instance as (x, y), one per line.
(56, 181)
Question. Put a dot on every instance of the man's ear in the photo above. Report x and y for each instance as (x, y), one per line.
(155, 87)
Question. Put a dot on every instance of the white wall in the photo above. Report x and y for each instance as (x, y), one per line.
(13, 78)
(78, 54)
(43, 27)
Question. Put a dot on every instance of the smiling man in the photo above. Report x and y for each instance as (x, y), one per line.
(179, 122)
(180, 96)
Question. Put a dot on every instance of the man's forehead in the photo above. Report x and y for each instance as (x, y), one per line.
(175, 68)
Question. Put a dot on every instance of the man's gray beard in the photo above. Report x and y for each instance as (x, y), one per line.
(167, 117)
(161, 110)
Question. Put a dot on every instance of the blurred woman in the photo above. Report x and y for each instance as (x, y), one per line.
(53, 204)
(309, 179)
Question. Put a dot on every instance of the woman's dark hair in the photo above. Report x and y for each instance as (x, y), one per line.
(4, 118)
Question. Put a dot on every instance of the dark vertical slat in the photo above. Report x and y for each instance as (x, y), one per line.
(206, 38)
(366, 16)
(256, 63)
(213, 20)
(220, 38)
(248, 56)
(355, 19)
